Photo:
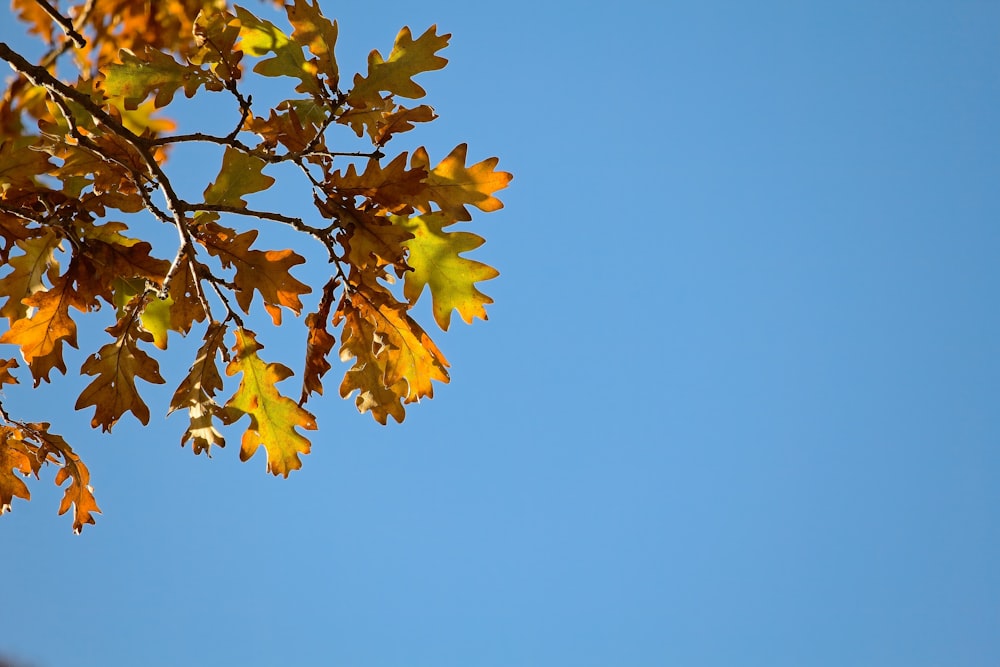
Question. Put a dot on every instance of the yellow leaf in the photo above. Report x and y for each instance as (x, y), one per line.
(434, 256)
(259, 37)
(273, 417)
(452, 185)
(38, 261)
(155, 316)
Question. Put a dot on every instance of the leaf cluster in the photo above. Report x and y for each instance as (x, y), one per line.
(81, 155)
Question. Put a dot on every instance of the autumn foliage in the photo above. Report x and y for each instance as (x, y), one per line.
(84, 143)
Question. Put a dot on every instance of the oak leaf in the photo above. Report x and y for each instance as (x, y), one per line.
(197, 391)
(78, 494)
(155, 316)
(267, 272)
(24, 449)
(259, 37)
(15, 458)
(434, 257)
(37, 262)
(453, 186)
(273, 417)
(318, 33)
(319, 344)
(41, 336)
(240, 175)
(5, 366)
(140, 74)
(379, 334)
(215, 35)
(408, 58)
(392, 187)
(117, 365)
(285, 128)
(20, 165)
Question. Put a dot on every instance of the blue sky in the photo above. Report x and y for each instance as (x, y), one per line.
(736, 402)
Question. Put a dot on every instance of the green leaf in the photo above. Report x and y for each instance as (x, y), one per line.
(408, 58)
(139, 75)
(259, 37)
(155, 317)
(240, 175)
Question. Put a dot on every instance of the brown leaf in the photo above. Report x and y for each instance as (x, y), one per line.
(391, 187)
(380, 335)
(267, 272)
(117, 365)
(318, 345)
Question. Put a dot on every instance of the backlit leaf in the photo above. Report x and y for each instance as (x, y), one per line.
(267, 272)
(273, 417)
(260, 37)
(41, 336)
(408, 58)
(453, 186)
(392, 187)
(318, 33)
(139, 75)
(117, 365)
(434, 256)
(38, 261)
(379, 334)
(240, 175)
(197, 391)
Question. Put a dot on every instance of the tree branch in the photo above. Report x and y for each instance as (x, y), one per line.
(63, 22)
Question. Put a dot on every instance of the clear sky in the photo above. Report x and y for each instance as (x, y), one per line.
(736, 403)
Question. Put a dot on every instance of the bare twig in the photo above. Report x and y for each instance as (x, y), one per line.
(63, 22)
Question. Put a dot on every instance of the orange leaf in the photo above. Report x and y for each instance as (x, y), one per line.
(41, 336)
(318, 33)
(318, 345)
(38, 261)
(117, 365)
(267, 272)
(5, 366)
(79, 495)
(380, 334)
(15, 457)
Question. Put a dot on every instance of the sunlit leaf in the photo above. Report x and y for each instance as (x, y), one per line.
(273, 417)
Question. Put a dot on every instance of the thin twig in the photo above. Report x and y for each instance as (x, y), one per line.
(63, 22)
